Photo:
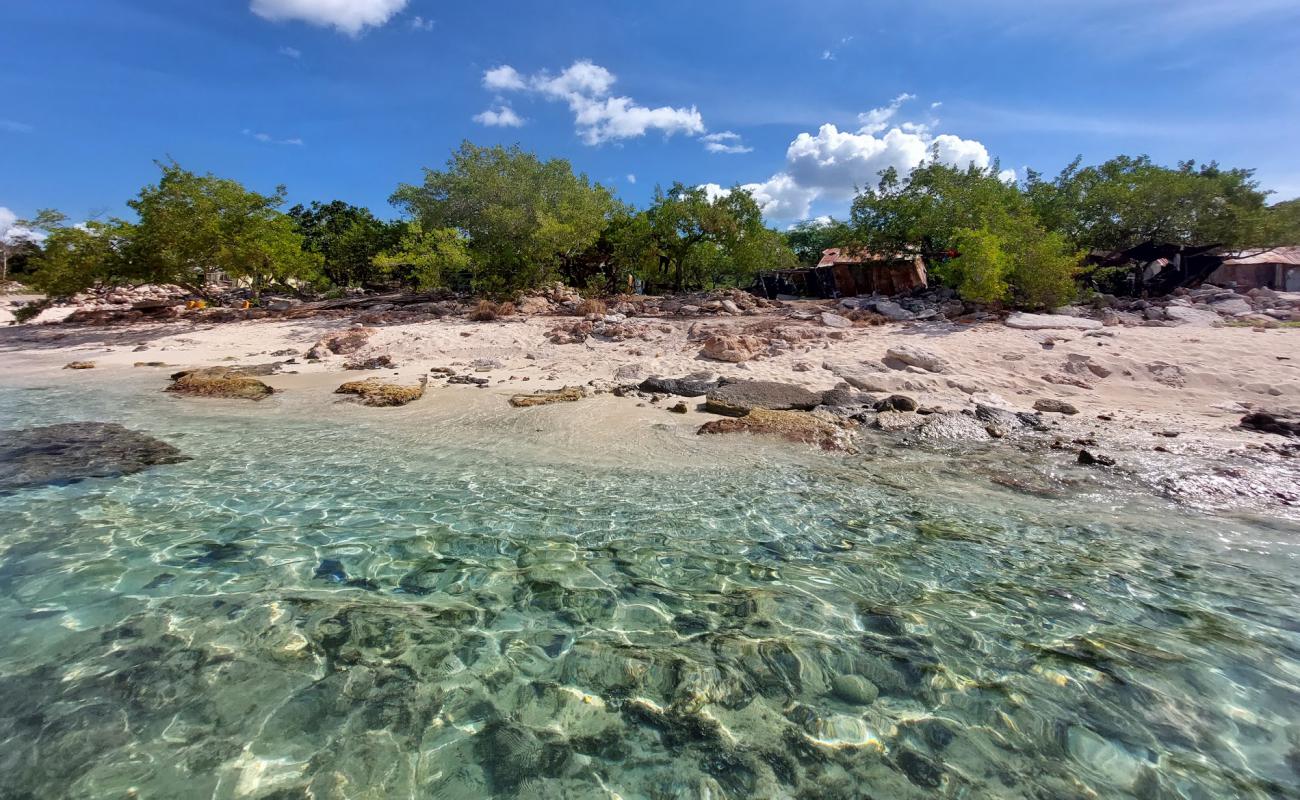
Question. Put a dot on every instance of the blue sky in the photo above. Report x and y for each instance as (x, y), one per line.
(801, 101)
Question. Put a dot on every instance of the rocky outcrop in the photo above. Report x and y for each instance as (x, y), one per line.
(737, 398)
(568, 394)
(697, 384)
(222, 382)
(792, 426)
(74, 451)
(734, 348)
(1282, 424)
(913, 356)
(380, 393)
(341, 342)
(1040, 322)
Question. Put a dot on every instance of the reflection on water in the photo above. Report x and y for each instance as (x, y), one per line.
(381, 607)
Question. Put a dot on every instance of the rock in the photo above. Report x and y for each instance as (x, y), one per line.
(376, 362)
(738, 398)
(679, 408)
(469, 380)
(793, 426)
(697, 384)
(548, 396)
(898, 420)
(224, 382)
(1039, 322)
(1097, 459)
(486, 363)
(1051, 406)
(953, 426)
(1168, 374)
(533, 304)
(74, 451)
(840, 395)
(341, 342)
(854, 689)
(1231, 306)
(891, 310)
(1066, 380)
(916, 357)
(381, 393)
(1077, 364)
(835, 320)
(733, 347)
(628, 372)
(79, 365)
(730, 307)
(1270, 422)
(1001, 418)
(1193, 317)
(896, 402)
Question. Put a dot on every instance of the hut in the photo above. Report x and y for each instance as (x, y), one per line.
(1276, 268)
(860, 271)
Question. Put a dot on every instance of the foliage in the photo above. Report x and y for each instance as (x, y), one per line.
(522, 218)
(1129, 200)
(1018, 263)
(348, 238)
(810, 238)
(75, 258)
(979, 273)
(425, 259)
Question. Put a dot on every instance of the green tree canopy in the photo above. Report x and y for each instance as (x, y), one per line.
(523, 219)
(810, 238)
(348, 238)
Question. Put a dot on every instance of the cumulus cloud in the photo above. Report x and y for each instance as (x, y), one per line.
(832, 164)
(11, 232)
(348, 16)
(725, 142)
(502, 116)
(598, 115)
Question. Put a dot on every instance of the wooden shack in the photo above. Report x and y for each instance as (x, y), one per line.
(859, 271)
(1275, 268)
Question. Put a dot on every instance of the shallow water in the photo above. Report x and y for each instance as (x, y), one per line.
(356, 603)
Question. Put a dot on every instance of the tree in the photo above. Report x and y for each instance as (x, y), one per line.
(523, 219)
(348, 238)
(20, 242)
(810, 238)
(73, 259)
(425, 259)
(190, 224)
(1129, 200)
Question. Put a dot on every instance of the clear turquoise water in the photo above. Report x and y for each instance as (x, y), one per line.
(659, 618)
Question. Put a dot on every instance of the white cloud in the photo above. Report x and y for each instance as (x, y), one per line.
(421, 24)
(828, 55)
(1007, 176)
(348, 16)
(725, 142)
(504, 79)
(598, 116)
(13, 126)
(290, 52)
(269, 139)
(631, 178)
(502, 116)
(10, 233)
(832, 164)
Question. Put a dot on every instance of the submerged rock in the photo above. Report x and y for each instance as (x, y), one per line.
(738, 398)
(381, 393)
(792, 426)
(226, 382)
(73, 451)
(547, 396)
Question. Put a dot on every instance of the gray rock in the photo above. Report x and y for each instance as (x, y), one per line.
(1040, 322)
(835, 320)
(854, 689)
(953, 426)
(898, 420)
(697, 384)
(892, 310)
(1231, 306)
(628, 371)
(917, 357)
(74, 451)
(896, 402)
(737, 398)
(1193, 317)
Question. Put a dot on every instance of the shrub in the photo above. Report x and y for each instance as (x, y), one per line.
(485, 311)
(591, 306)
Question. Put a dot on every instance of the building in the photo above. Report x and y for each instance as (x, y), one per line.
(858, 271)
(1276, 268)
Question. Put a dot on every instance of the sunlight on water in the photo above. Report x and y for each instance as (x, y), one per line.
(348, 604)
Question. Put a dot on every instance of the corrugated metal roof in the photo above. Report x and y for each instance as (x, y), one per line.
(1275, 255)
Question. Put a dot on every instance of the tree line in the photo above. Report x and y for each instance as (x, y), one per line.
(499, 221)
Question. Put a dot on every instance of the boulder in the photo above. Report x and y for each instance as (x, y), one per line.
(341, 342)
(697, 384)
(548, 396)
(953, 426)
(223, 382)
(1095, 459)
(79, 365)
(792, 426)
(381, 393)
(74, 451)
(1192, 317)
(1052, 406)
(377, 362)
(737, 398)
(1231, 306)
(1040, 322)
(733, 347)
(898, 420)
(835, 320)
(916, 357)
(896, 402)
(891, 310)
